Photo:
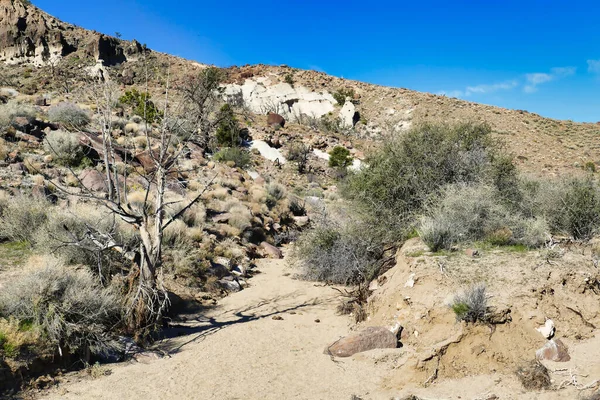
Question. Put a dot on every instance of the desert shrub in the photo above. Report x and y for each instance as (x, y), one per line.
(56, 236)
(589, 167)
(141, 105)
(275, 192)
(69, 115)
(297, 207)
(571, 206)
(338, 249)
(340, 157)
(16, 336)
(580, 211)
(239, 156)
(289, 79)
(175, 234)
(341, 94)
(12, 110)
(228, 130)
(65, 147)
(471, 305)
(463, 213)
(298, 153)
(21, 217)
(240, 217)
(410, 169)
(69, 307)
(534, 376)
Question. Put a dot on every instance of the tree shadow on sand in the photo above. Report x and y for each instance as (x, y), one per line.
(201, 326)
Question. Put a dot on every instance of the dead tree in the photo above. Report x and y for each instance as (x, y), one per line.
(184, 118)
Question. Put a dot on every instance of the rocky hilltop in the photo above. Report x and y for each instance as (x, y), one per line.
(29, 35)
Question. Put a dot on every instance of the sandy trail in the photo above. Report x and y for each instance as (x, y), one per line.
(239, 352)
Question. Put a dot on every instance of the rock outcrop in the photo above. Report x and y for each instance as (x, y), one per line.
(29, 35)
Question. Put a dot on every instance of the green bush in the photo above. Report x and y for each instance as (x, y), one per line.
(298, 152)
(71, 309)
(141, 105)
(228, 131)
(340, 157)
(65, 147)
(341, 94)
(411, 168)
(239, 156)
(69, 115)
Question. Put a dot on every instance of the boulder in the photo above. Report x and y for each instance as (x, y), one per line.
(372, 337)
(93, 180)
(271, 251)
(301, 221)
(230, 285)
(275, 119)
(553, 350)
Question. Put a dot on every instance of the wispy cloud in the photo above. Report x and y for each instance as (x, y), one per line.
(539, 78)
(594, 66)
(481, 89)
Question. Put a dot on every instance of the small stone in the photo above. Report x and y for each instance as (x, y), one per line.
(277, 318)
(472, 252)
(317, 320)
(548, 329)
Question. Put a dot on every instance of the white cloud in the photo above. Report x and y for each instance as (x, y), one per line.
(451, 93)
(594, 66)
(480, 89)
(538, 78)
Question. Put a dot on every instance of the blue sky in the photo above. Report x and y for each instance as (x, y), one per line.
(540, 56)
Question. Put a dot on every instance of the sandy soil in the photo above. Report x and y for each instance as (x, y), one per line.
(238, 351)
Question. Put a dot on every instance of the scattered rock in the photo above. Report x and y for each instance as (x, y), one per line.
(373, 337)
(301, 221)
(230, 285)
(317, 320)
(548, 329)
(271, 251)
(554, 350)
(277, 318)
(411, 281)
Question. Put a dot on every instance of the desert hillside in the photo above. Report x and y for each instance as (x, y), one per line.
(171, 229)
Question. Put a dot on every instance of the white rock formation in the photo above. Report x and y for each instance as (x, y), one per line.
(347, 114)
(281, 98)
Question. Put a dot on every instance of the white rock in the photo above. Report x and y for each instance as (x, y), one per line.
(411, 281)
(347, 114)
(267, 151)
(548, 329)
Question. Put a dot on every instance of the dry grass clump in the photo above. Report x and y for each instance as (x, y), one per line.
(21, 217)
(175, 234)
(68, 306)
(464, 213)
(240, 217)
(534, 376)
(471, 305)
(64, 147)
(69, 115)
(14, 109)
